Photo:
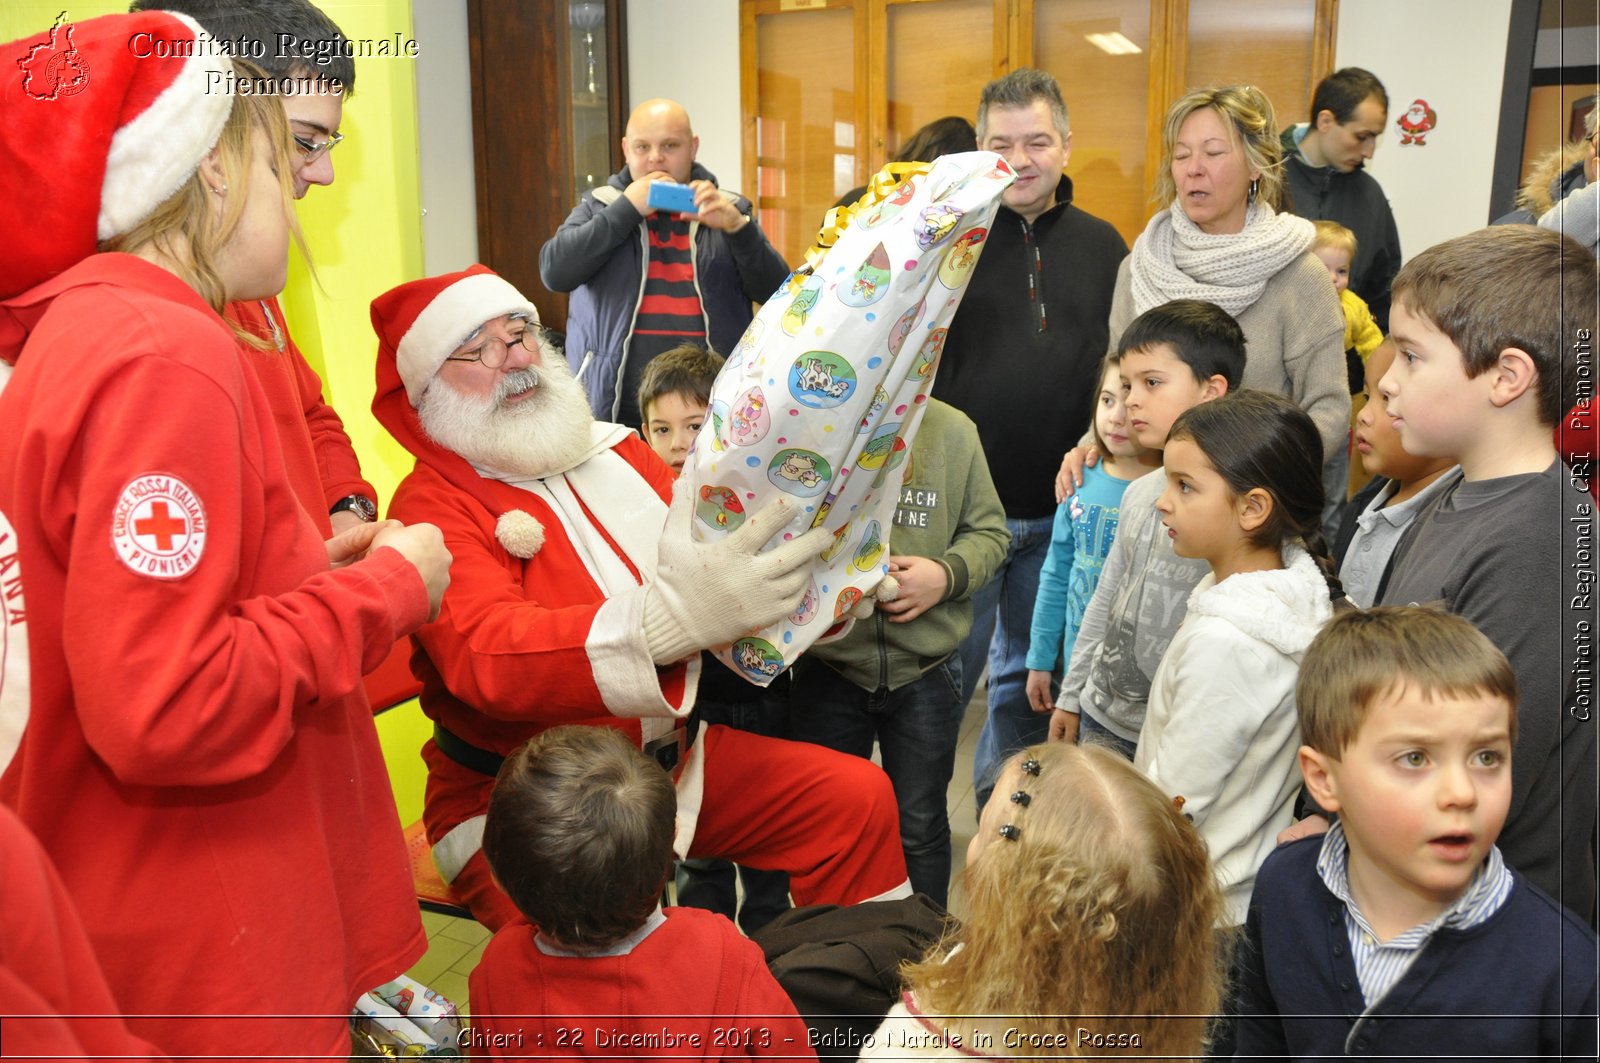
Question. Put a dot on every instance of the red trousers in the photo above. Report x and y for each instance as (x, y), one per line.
(826, 818)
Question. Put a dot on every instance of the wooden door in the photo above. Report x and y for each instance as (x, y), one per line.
(1100, 52)
(804, 116)
(540, 134)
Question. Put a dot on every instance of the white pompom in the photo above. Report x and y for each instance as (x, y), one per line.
(888, 589)
(520, 533)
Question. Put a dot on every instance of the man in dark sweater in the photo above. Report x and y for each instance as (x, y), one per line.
(1323, 162)
(1022, 361)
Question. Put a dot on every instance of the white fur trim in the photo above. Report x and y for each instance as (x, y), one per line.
(452, 316)
(625, 675)
(520, 533)
(691, 787)
(899, 893)
(153, 154)
(461, 844)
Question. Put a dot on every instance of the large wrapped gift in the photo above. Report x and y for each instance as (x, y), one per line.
(820, 400)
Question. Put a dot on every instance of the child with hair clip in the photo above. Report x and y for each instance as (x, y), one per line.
(1244, 494)
(1090, 927)
(1081, 537)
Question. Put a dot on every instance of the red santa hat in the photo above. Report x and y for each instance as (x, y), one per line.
(100, 123)
(419, 323)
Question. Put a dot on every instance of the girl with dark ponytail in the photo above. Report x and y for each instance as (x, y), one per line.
(1244, 494)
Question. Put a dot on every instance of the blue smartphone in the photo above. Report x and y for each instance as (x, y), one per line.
(670, 195)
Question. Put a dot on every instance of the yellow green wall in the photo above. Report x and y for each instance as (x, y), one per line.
(364, 233)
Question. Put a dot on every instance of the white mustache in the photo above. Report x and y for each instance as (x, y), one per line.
(516, 383)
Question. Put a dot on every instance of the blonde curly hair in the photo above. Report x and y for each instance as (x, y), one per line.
(1099, 913)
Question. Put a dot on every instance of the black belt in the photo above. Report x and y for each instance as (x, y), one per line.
(667, 750)
(465, 754)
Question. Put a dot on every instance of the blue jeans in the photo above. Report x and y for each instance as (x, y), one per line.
(1002, 617)
(1091, 733)
(916, 728)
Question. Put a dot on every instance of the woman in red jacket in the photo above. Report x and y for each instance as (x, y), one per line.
(183, 652)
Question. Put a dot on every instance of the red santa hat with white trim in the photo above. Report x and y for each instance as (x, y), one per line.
(421, 322)
(418, 324)
(100, 123)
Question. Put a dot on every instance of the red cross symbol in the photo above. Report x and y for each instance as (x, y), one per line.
(162, 525)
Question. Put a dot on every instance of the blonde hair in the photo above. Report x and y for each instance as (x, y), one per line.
(1102, 906)
(186, 229)
(1361, 656)
(1252, 127)
(1332, 234)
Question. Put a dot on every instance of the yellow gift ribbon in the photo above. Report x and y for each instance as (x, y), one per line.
(838, 219)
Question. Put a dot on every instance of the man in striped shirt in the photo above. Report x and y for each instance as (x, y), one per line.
(645, 280)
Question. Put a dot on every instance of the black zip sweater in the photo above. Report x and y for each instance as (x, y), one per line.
(1023, 355)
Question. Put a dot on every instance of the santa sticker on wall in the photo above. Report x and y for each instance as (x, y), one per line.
(1416, 123)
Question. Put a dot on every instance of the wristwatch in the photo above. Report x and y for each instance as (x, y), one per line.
(360, 505)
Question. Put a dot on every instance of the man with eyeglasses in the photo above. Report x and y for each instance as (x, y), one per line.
(645, 280)
(294, 43)
(578, 596)
(1323, 161)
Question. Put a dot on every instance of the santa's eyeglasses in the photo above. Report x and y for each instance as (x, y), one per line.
(493, 352)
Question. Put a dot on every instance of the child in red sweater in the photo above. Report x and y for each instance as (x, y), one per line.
(579, 835)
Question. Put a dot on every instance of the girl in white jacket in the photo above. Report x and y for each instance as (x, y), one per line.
(1244, 493)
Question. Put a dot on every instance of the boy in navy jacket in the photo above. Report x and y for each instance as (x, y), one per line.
(1401, 932)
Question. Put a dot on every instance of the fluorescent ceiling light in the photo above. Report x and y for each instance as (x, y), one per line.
(1113, 43)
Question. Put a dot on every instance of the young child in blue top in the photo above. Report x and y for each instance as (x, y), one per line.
(1402, 932)
(1081, 538)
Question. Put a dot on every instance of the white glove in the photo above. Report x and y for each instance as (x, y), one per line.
(709, 594)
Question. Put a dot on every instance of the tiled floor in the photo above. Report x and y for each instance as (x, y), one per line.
(455, 945)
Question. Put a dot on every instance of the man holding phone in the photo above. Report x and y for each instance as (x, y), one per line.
(644, 278)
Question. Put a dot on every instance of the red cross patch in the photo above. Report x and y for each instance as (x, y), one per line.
(159, 527)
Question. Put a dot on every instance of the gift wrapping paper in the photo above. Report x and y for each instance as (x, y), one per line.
(820, 400)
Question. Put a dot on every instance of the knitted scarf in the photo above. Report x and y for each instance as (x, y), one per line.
(1173, 259)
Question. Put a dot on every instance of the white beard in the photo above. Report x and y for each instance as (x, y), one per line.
(541, 435)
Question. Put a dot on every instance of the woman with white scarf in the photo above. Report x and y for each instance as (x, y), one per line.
(1222, 239)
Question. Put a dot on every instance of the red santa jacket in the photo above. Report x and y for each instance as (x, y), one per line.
(524, 643)
(197, 757)
(643, 1003)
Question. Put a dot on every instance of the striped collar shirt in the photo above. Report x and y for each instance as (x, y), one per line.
(1380, 964)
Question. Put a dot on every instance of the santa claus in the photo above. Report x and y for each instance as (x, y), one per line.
(1417, 123)
(577, 596)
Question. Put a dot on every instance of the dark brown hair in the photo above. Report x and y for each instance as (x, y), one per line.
(949, 135)
(1204, 337)
(1255, 439)
(1510, 286)
(1360, 656)
(688, 370)
(1346, 89)
(579, 834)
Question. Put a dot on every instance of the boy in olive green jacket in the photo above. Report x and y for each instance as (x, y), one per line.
(895, 677)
